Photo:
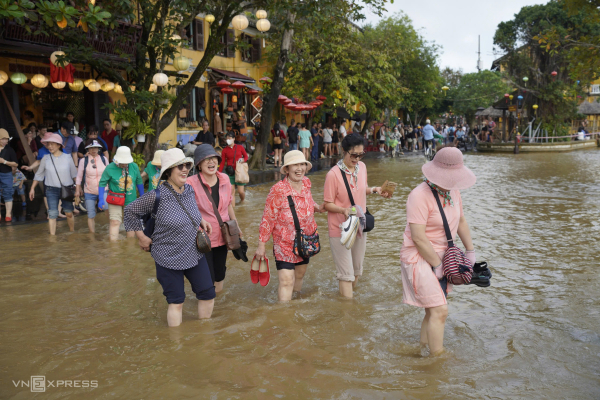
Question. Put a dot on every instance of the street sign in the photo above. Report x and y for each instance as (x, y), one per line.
(512, 108)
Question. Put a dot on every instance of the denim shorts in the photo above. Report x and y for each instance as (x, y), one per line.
(90, 204)
(6, 186)
(199, 277)
(20, 190)
(53, 197)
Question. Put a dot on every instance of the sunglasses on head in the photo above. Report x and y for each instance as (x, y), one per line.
(357, 155)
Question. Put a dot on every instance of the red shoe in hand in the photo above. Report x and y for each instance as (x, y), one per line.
(264, 276)
(254, 272)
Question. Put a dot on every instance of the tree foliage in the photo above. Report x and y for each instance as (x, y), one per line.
(477, 89)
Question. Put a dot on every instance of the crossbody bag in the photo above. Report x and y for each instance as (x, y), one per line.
(67, 193)
(455, 264)
(229, 168)
(118, 199)
(305, 246)
(202, 239)
(369, 219)
(229, 229)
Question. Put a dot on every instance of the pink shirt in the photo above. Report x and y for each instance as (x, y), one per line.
(335, 192)
(92, 175)
(205, 204)
(422, 209)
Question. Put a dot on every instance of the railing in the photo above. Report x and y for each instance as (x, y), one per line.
(120, 41)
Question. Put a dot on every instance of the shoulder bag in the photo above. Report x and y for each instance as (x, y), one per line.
(369, 219)
(229, 168)
(118, 199)
(229, 229)
(305, 246)
(241, 173)
(456, 266)
(276, 137)
(67, 193)
(202, 239)
(149, 220)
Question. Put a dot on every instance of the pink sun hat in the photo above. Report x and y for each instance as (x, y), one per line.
(52, 137)
(448, 171)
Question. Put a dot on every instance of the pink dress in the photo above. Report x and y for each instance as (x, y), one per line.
(420, 285)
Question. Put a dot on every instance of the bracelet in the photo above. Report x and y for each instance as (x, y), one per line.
(373, 189)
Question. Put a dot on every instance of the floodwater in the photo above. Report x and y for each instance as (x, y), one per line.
(77, 307)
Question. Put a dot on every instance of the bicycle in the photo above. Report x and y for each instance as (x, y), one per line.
(429, 150)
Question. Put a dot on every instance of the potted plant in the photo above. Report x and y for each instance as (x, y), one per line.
(125, 117)
(138, 130)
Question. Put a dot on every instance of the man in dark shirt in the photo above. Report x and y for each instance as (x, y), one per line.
(108, 135)
(292, 134)
(315, 137)
(92, 135)
(204, 137)
(8, 160)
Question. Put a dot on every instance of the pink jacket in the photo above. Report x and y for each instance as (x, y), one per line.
(92, 175)
(205, 205)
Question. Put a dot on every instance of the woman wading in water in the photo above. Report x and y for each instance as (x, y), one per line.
(425, 241)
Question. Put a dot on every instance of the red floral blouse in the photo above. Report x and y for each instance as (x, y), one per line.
(277, 218)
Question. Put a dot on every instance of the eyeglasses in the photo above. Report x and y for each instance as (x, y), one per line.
(357, 156)
(187, 166)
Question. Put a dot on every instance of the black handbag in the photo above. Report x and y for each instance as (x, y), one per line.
(369, 219)
(229, 169)
(305, 246)
(149, 220)
(67, 193)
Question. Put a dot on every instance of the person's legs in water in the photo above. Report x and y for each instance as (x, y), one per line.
(286, 284)
(241, 192)
(432, 329)
(300, 271)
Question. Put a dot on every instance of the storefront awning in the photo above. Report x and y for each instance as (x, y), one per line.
(251, 86)
(232, 75)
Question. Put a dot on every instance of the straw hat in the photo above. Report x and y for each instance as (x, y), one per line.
(52, 138)
(294, 157)
(123, 155)
(4, 134)
(94, 143)
(172, 158)
(156, 160)
(448, 171)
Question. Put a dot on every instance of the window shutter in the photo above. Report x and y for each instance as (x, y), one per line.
(230, 51)
(199, 35)
(255, 50)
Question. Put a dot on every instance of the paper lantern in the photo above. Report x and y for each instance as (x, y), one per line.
(223, 83)
(3, 77)
(54, 56)
(209, 18)
(281, 99)
(322, 98)
(238, 85)
(554, 73)
(525, 79)
(39, 81)
(263, 25)
(240, 22)
(59, 85)
(252, 92)
(102, 81)
(160, 79)
(511, 97)
(94, 86)
(87, 82)
(77, 85)
(181, 63)
(261, 14)
(226, 90)
(18, 78)
(118, 89)
(535, 106)
(107, 87)
(287, 101)
(445, 89)
(152, 87)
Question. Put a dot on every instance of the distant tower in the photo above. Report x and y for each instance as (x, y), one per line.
(479, 54)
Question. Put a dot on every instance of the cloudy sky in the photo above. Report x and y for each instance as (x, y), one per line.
(455, 24)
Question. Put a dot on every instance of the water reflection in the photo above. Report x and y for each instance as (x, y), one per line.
(79, 307)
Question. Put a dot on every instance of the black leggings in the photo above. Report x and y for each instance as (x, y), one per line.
(217, 258)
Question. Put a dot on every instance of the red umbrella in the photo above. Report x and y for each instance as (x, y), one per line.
(223, 83)
(322, 98)
(238, 85)
(226, 90)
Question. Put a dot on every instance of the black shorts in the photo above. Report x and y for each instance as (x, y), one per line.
(288, 265)
(278, 146)
(172, 282)
(216, 259)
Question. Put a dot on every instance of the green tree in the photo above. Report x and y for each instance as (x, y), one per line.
(478, 89)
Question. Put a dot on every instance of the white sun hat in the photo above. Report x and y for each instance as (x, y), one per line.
(294, 157)
(172, 158)
(123, 155)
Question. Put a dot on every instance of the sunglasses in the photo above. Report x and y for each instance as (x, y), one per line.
(94, 164)
(356, 155)
(187, 166)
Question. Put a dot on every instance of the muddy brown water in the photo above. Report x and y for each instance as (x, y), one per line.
(77, 307)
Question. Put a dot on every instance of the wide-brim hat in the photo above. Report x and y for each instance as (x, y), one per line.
(94, 143)
(156, 160)
(53, 138)
(203, 152)
(123, 155)
(448, 171)
(172, 158)
(4, 134)
(294, 157)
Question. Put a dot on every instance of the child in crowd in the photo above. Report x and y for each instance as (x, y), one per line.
(18, 179)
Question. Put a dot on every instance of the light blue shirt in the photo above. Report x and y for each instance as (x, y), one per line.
(460, 133)
(428, 132)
